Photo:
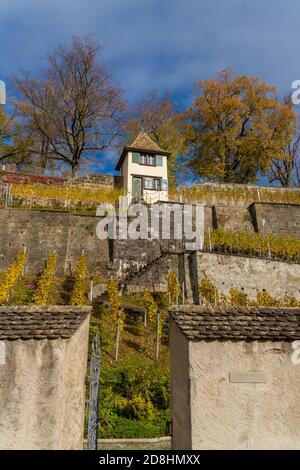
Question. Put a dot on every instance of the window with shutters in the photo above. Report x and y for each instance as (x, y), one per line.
(152, 183)
(156, 184)
(148, 183)
(147, 159)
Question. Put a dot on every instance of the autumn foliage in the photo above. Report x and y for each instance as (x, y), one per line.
(235, 126)
(42, 294)
(9, 278)
(78, 294)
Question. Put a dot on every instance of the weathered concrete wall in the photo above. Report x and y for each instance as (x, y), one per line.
(97, 180)
(43, 232)
(42, 388)
(226, 271)
(232, 218)
(180, 389)
(227, 415)
(276, 219)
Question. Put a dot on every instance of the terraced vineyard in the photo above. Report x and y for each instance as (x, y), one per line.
(253, 244)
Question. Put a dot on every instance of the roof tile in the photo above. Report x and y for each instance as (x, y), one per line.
(236, 323)
(34, 322)
(144, 142)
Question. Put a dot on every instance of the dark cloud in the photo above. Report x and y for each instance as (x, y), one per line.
(164, 44)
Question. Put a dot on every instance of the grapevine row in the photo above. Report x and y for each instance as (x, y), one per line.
(9, 278)
(78, 293)
(211, 295)
(280, 247)
(209, 194)
(43, 291)
(63, 196)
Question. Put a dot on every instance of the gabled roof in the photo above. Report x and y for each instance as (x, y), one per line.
(36, 322)
(237, 323)
(142, 143)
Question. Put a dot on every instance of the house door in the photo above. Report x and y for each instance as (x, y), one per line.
(136, 187)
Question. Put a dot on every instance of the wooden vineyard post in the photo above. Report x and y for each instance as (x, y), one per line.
(209, 240)
(25, 253)
(269, 250)
(91, 291)
(158, 336)
(94, 395)
(118, 339)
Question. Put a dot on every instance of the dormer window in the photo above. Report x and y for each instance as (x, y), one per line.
(147, 159)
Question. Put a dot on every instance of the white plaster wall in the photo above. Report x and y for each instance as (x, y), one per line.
(42, 393)
(252, 274)
(243, 415)
(131, 169)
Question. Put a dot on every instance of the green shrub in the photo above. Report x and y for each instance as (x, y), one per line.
(135, 408)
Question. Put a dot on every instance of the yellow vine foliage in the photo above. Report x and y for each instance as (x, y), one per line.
(209, 194)
(284, 247)
(9, 278)
(208, 291)
(290, 301)
(114, 303)
(267, 300)
(173, 286)
(64, 196)
(43, 291)
(78, 293)
(238, 297)
(151, 306)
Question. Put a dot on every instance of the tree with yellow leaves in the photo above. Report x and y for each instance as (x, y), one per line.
(235, 126)
(13, 143)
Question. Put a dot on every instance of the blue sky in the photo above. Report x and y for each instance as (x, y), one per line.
(162, 44)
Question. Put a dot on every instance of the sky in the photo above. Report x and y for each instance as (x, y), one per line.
(159, 44)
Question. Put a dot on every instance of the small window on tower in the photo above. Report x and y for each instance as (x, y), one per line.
(148, 183)
(156, 184)
(146, 159)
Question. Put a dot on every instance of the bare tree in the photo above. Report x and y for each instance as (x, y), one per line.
(286, 170)
(75, 107)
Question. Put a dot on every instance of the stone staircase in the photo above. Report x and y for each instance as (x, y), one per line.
(143, 264)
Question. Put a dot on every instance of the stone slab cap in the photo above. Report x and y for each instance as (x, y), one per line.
(237, 323)
(37, 322)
